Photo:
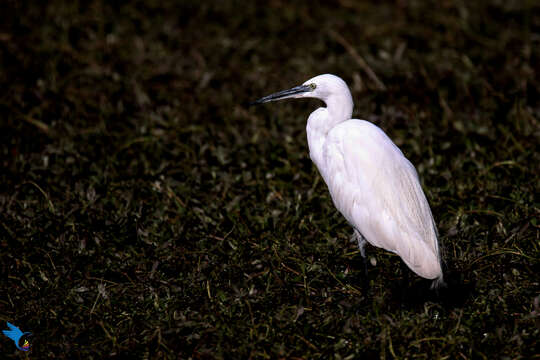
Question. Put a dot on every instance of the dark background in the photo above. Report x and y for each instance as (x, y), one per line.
(146, 210)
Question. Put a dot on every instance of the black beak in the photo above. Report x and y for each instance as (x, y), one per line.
(283, 94)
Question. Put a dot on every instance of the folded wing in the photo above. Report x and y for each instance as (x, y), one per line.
(377, 189)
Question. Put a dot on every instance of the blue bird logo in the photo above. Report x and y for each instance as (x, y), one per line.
(15, 334)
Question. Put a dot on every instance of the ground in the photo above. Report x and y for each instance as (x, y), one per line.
(146, 210)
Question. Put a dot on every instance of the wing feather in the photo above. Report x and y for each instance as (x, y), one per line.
(377, 189)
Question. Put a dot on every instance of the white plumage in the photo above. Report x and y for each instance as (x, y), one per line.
(371, 182)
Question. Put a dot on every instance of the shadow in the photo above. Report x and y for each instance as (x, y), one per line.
(415, 293)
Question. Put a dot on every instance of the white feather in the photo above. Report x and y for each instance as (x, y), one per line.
(371, 182)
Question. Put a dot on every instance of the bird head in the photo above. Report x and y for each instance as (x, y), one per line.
(328, 88)
(321, 87)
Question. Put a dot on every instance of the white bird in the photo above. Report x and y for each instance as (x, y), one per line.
(370, 180)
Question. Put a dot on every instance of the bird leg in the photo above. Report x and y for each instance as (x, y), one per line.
(361, 241)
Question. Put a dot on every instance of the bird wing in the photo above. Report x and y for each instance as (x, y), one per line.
(378, 191)
(13, 333)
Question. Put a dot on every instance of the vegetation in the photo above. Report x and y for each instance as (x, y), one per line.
(146, 210)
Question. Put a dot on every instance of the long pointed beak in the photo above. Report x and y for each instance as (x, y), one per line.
(284, 94)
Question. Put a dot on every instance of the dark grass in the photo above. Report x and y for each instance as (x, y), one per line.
(146, 210)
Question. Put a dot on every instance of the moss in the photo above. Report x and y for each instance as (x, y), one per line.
(145, 210)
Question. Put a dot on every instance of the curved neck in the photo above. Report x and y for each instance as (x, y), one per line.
(340, 108)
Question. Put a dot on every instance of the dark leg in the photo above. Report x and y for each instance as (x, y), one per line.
(361, 241)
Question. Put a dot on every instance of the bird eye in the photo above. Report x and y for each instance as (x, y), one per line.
(313, 86)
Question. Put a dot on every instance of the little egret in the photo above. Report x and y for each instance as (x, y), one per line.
(370, 180)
